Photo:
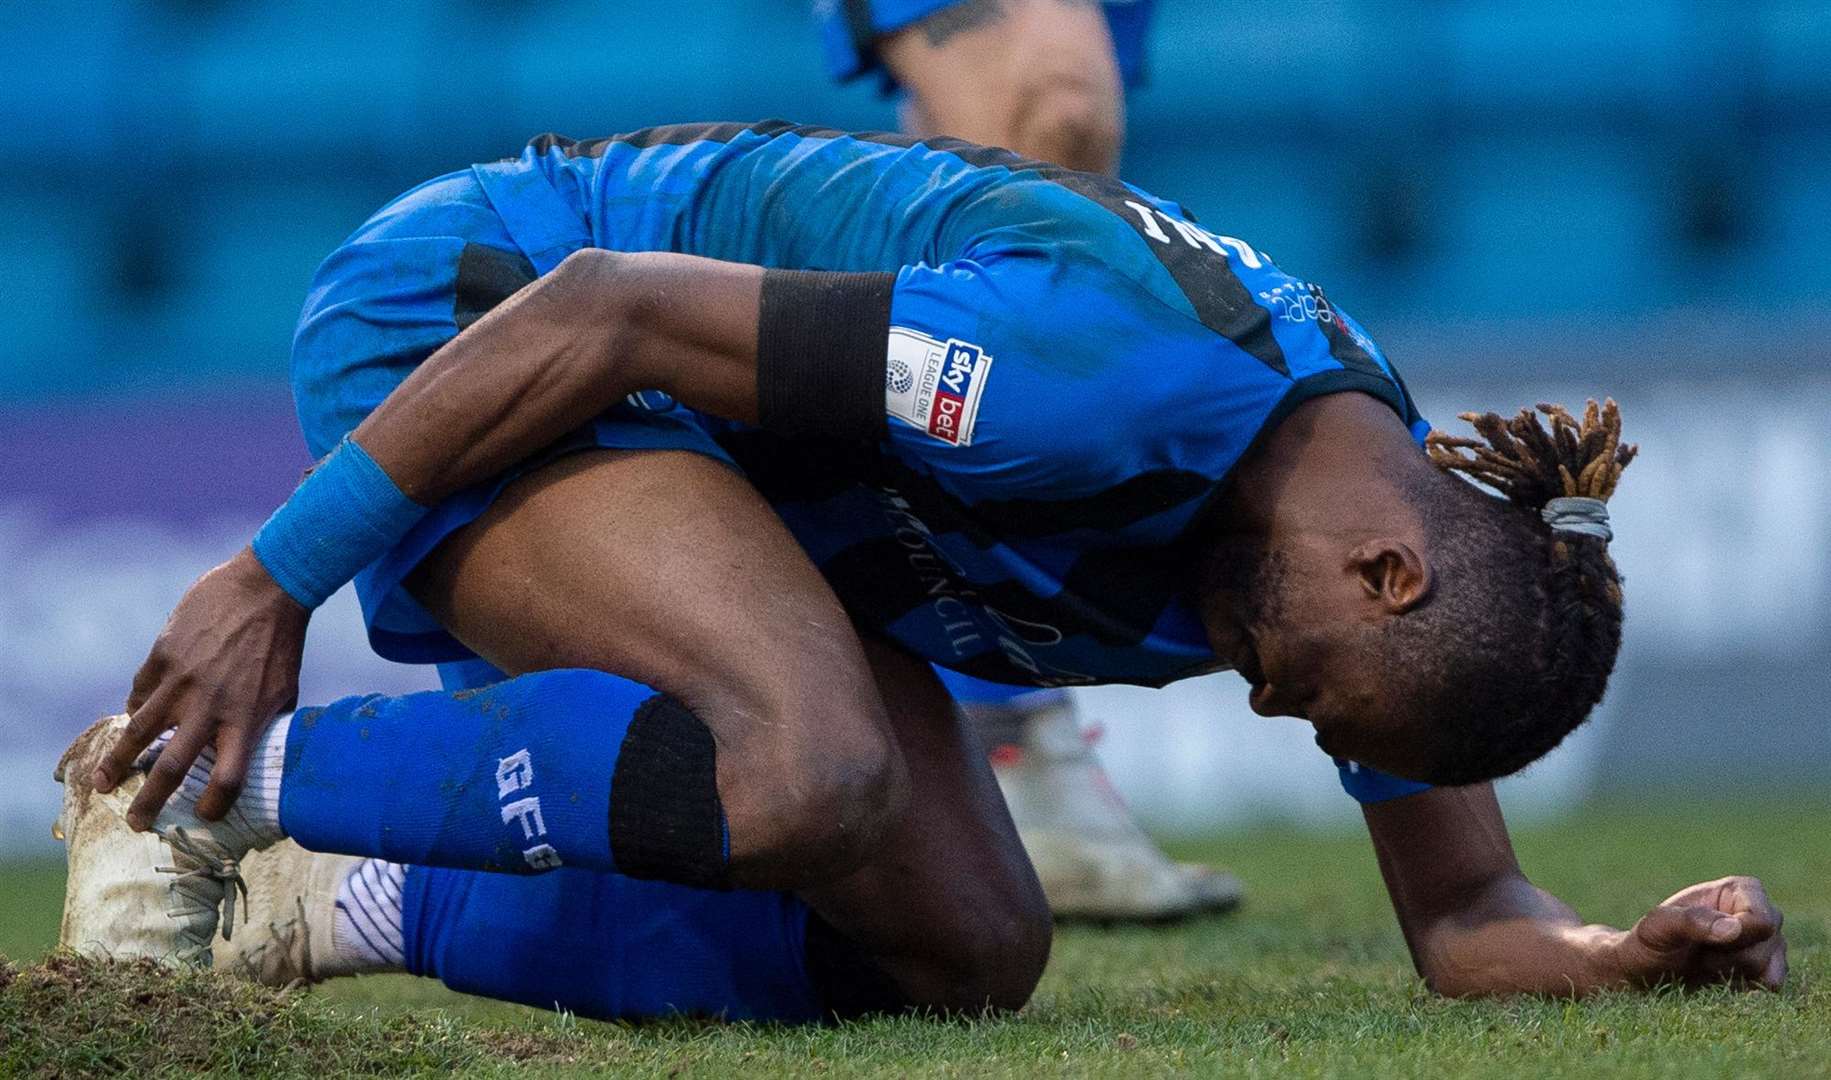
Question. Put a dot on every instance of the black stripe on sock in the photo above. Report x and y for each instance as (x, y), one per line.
(666, 822)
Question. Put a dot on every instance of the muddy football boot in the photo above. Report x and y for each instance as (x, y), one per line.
(287, 936)
(164, 893)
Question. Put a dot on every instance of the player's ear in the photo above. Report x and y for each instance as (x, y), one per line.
(1392, 574)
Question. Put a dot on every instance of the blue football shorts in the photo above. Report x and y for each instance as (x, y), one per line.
(406, 282)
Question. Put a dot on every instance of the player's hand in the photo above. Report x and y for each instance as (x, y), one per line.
(226, 663)
(1720, 931)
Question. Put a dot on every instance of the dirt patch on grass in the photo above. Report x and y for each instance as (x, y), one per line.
(72, 1016)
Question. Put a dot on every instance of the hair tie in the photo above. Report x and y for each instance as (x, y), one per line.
(1578, 514)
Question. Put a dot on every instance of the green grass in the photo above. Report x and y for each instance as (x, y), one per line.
(1310, 980)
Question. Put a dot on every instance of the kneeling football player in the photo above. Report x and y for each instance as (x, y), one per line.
(689, 450)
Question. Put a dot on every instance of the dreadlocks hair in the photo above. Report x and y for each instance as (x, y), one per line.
(1532, 466)
(1517, 644)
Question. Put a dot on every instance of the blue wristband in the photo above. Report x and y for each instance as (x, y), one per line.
(346, 514)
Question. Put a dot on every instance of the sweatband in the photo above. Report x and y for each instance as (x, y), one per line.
(346, 514)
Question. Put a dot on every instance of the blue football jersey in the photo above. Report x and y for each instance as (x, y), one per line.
(1070, 370)
(1011, 398)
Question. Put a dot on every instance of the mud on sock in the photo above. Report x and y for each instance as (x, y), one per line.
(555, 768)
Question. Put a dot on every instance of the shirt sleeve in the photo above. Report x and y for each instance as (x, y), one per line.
(1018, 371)
(1033, 370)
(1038, 374)
(1368, 785)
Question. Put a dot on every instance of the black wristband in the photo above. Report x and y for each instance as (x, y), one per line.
(821, 343)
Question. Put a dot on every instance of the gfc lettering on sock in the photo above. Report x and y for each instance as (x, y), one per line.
(569, 767)
(514, 774)
(512, 777)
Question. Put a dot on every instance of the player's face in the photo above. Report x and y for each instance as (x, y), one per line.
(1296, 626)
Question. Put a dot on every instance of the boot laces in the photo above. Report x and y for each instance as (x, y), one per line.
(203, 868)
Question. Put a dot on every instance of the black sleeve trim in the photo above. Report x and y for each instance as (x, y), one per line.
(1336, 382)
(1202, 523)
(821, 342)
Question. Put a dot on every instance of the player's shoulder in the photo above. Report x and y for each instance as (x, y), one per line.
(1039, 363)
(1149, 250)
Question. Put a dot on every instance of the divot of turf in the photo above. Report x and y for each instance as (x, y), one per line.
(75, 1016)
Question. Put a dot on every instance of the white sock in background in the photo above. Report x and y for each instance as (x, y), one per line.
(366, 935)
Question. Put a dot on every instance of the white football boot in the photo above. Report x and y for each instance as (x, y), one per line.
(1094, 860)
(288, 935)
(161, 894)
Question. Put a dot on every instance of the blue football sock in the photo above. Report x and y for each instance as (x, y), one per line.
(556, 768)
(603, 945)
(610, 947)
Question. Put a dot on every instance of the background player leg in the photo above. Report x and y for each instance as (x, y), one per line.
(1095, 861)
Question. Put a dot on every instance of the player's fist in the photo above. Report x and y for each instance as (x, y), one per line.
(226, 663)
(1720, 931)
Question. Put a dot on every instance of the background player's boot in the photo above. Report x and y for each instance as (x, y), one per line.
(1093, 859)
(288, 933)
(1215, 890)
(130, 894)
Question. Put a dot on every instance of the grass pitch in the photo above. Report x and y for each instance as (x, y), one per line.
(1311, 979)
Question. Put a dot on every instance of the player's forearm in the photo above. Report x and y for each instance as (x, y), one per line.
(1474, 923)
(600, 326)
(1513, 937)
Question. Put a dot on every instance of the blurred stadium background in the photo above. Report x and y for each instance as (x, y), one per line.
(1521, 202)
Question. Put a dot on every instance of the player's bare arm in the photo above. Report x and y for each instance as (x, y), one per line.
(601, 326)
(1477, 926)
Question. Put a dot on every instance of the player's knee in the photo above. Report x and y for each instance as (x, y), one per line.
(854, 799)
(1068, 120)
(996, 962)
(1014, 956)
(1024, 941)
(821, 809)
